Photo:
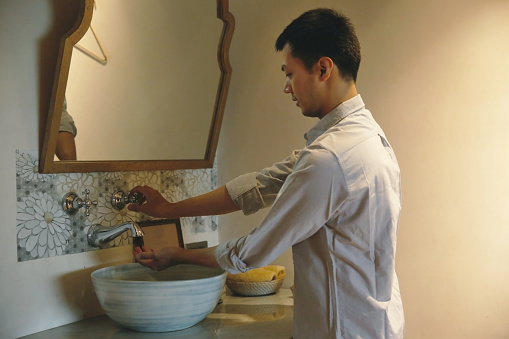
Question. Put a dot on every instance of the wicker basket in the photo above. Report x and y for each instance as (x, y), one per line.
(252, 289)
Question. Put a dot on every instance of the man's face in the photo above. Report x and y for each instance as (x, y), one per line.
(303, 85)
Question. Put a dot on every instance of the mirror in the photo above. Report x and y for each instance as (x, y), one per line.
(193, 47)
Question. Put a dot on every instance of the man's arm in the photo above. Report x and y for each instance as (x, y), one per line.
(171, 256)
(308, 199)
(66, 146)
(214, 202)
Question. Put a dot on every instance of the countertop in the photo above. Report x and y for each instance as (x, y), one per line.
(267, 317)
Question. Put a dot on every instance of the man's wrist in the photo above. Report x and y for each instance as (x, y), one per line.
(201, 256)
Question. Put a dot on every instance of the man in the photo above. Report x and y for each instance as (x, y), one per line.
(336, 202)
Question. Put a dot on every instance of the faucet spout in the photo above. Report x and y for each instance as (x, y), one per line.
(101, 236)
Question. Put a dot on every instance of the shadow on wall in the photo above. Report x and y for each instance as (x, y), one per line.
(77, 288)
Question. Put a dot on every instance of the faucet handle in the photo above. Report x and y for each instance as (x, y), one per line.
(119, 199)
(71, 203)
(88, 203)
(136, 198)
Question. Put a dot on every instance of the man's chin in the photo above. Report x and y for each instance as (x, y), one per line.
(310, 114)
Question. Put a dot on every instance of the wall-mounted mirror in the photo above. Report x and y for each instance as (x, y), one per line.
(150, 88)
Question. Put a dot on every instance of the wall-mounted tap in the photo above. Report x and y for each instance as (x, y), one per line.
(71, 203)
(101, 236)
(119, 199)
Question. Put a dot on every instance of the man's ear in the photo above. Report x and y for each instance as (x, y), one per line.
(325, 65)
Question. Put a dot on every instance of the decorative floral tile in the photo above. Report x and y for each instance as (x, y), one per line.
(45, 230)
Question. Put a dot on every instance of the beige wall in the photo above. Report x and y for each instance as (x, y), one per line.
(435, 75)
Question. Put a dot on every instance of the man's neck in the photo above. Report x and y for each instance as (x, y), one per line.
(343, 91)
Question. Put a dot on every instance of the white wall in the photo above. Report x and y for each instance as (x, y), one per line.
(436, 77)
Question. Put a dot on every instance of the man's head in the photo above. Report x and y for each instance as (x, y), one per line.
(323, 32)
(321, 56)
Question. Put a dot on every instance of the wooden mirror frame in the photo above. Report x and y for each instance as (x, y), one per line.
(47, 163)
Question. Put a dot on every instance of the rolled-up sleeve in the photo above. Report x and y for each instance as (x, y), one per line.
(67, 122)
(254, 191)
(226, 254)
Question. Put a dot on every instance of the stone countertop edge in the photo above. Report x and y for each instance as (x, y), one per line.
(248, 315)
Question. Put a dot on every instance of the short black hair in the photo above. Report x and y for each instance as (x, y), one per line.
(323, 32)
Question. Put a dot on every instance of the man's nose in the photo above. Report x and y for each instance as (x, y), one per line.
(288, 87)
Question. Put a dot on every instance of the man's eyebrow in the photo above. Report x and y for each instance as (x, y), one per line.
(283, 67)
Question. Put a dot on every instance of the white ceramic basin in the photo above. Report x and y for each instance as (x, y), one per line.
(144, 300)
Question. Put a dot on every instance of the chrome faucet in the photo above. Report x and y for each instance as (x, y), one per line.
(101, 236)
(120, 199)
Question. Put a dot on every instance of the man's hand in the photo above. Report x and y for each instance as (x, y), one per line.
(155, 204)
(156, 260)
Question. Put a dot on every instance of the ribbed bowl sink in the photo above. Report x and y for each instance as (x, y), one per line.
(144, 300)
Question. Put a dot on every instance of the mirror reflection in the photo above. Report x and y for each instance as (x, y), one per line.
(146, 86)
(154, 97)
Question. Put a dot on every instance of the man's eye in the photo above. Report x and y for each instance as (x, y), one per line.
(288, 75)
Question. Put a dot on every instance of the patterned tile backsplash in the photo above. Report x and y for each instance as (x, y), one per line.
(45, 230)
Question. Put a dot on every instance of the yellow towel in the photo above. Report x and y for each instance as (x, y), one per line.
(280, 270)
(266, 273)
